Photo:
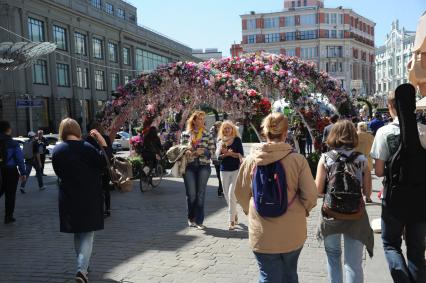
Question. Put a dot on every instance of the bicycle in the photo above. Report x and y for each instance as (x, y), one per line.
(153, 177)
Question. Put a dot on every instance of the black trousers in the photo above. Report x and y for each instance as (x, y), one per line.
(10, 178)
(219, 189)
(43, 160)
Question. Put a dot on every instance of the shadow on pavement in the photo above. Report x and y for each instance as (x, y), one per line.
(140, 223)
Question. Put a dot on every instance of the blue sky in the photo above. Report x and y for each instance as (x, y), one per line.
(217, 24)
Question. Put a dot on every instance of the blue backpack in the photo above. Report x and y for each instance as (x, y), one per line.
(270, 190)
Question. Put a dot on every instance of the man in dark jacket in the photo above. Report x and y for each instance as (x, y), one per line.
(327, 131)
(12, 157)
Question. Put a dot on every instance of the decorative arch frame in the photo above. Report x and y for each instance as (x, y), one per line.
(241, 86)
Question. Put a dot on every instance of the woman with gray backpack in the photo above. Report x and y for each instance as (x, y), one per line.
(277, 221)
(343, 177)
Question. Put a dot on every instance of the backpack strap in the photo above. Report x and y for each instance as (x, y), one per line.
(354, 155)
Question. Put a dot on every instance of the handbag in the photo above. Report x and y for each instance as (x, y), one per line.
(121, 172)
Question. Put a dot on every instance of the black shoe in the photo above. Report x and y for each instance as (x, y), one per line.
(9, 220)
(22, 190)
(81, 278)
(220, 195)
(44, 174)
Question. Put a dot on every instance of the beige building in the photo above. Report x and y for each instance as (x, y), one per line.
(338, 40)
(99, 47)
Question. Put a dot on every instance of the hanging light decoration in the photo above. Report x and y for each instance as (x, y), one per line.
(20, 55)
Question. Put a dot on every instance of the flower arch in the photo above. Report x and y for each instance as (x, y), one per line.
(236, 85)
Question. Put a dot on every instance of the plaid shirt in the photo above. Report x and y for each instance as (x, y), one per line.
(207, 142)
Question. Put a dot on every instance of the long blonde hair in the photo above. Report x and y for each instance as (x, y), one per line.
(225, 124)
(69, 127)
(190, 123)
(274, 126)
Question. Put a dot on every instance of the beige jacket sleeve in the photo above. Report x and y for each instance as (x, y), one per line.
(243, 185)
(307, 188)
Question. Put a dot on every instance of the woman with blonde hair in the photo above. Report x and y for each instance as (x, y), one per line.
(230, 151)
(354, 226)
(79, 167)
(198, 170)
(365, 142)
(277, 241)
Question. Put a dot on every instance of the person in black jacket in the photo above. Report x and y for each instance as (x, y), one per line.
(12, 157)
(105, 175)
(151, 149)
(79, 167)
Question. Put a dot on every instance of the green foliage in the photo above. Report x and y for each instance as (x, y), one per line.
(313, 160)
(137, 165)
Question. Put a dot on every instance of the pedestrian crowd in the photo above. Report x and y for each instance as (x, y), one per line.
(274, 186)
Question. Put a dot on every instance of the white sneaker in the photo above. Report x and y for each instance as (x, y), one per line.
(201, 227)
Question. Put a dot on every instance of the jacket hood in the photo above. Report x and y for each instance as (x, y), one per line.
(266, 153)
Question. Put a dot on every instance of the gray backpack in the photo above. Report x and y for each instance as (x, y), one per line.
(28, 149)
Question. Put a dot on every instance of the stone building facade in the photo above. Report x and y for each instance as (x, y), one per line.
(99, 47)
(391, 61)
(338, 40)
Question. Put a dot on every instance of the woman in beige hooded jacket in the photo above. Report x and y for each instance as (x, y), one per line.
(277, 241)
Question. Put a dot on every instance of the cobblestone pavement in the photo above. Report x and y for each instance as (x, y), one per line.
(147, 240)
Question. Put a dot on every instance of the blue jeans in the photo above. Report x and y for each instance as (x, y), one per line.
(353, 258)
(29, 164)
(83, 244)
(195, 179)
(276, 268)
(414, 270)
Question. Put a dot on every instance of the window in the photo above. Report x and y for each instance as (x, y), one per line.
(341, 34)
(40, 72)
(80, 43)
(308, 19)
(151, 60)
(126, 79)
(341, 19)
(62, 74)
(271, 22)
(289, 21)
(109, 8)
(334, 51)
(99, 80)
(112, 51)
(97, 48)
(333, 33)
(251, 38)
(139, 60)
(251, 24)
(132, 18)
(308, 52)
(35, 30)
(96, 3)
(115, 81)
(272, 37)
(126, 56)
(82, 77)
(307, 34)
(333, 18)
(120, 13)
(290, 35)
(60, 37)
(327, 18)
(291, 52)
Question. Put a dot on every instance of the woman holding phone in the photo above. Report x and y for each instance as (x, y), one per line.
(198, 170)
